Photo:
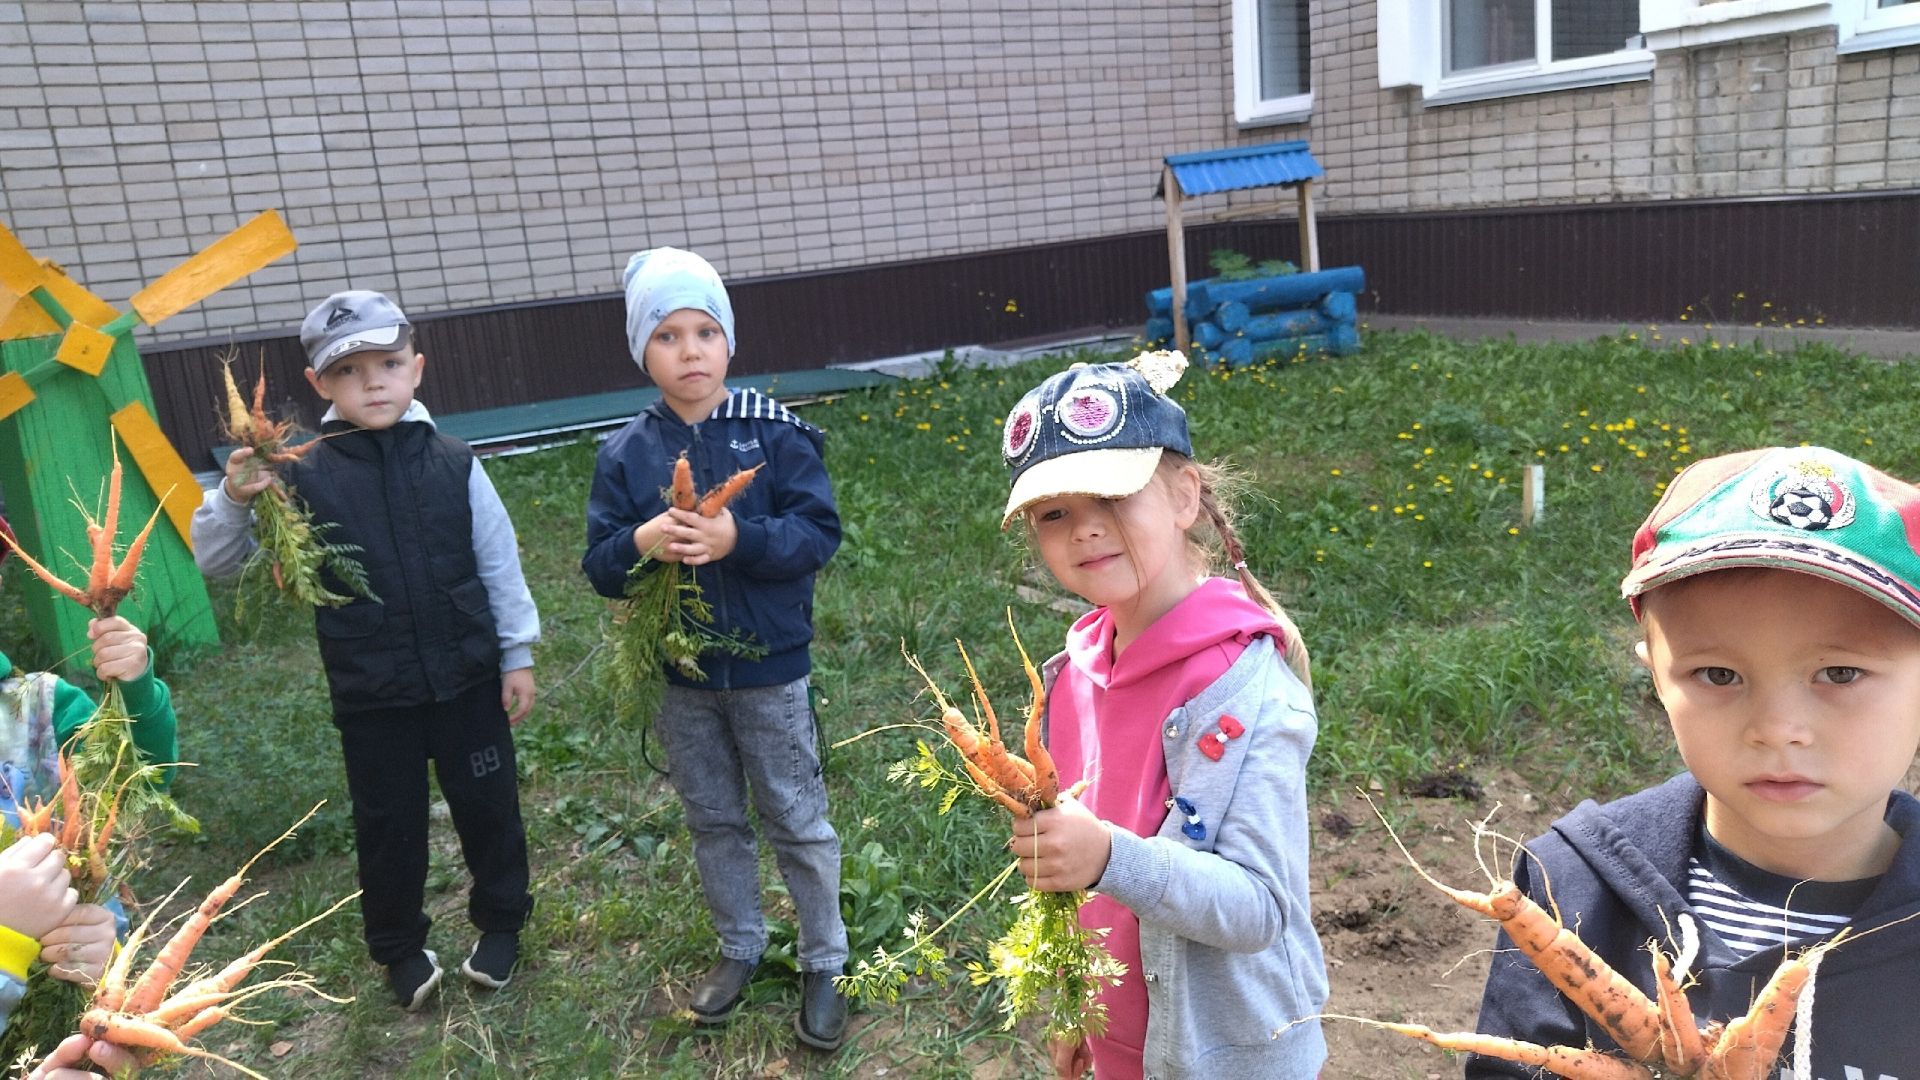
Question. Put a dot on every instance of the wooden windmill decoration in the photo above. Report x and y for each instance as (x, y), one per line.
(71, 388)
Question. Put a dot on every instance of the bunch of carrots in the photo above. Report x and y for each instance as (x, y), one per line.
(1659, 1035)
(292, 544)
(107, 794)
(1048, 964)
(664, 619)
(147, 1015)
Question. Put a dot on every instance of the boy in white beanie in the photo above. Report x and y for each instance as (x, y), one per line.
(746, 726)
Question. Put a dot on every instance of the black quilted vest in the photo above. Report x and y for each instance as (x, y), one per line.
(401, 495)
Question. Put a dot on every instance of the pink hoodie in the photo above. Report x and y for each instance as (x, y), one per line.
(1103, 721)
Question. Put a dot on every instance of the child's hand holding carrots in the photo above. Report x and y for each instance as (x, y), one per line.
(244, 482)
(1072, 1058)
(1063, 848)
(119, 649)
(695, 539)
(650, 538)
(36, 893)
(70, 1060)
(78, 950)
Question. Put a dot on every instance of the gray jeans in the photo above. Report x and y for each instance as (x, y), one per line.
(723, 744)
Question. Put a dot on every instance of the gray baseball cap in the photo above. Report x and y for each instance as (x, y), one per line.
(351, 322)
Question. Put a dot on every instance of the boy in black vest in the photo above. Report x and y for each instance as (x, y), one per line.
(440, 667)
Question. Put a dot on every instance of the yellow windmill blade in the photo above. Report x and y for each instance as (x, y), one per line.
(218, 265)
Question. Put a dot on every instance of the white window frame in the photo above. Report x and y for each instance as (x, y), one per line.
(1249, 109)
(1411, 43)
(1865, 26)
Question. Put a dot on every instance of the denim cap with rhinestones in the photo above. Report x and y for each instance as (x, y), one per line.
(349, 322)
(1803, 508)
(1095, 430)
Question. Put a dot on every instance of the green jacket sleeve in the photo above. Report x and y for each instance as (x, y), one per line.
(148, 702)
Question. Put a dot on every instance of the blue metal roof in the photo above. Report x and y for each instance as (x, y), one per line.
(1241, 167)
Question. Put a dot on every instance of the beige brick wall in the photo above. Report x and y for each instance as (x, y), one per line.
(467, 152)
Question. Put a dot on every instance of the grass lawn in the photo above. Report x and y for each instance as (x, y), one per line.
(1381, 504)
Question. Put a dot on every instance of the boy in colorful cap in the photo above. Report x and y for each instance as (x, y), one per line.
(1184, 698)
(1776, 591)
(743, 727)
(439, 668)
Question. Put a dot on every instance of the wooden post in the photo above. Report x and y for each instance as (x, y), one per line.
(1533, 496)
(1309, 234)
(1177, 258)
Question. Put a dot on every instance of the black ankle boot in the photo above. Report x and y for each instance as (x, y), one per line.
(822, 1023)
(720, 989)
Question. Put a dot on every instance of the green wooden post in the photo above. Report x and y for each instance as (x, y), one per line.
(56, 450)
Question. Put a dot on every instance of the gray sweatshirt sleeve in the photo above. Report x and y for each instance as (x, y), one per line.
(1250, 885)
(497, 555)
(222, 534)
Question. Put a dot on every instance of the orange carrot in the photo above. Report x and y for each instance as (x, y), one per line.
(35, 817)
(1046, 777)
(716, 500)
(1681, 1046)
(152, 985)
(682, 483)
(71, 817)
(1574, 969)
(1751, 1043)
(201, 1021)
(112, 523)
(121, 583)
(998, 763)
(102, 545)
(46, 575)
(137, 1034)
(1575, 1064)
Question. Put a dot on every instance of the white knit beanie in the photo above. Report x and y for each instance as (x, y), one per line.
(661, 281)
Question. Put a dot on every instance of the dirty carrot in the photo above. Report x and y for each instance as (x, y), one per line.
(1567, 1061)
(1571, 966)
(137, 1034)
(682, 483)
(716, 500)
(1681, 1047)
(1751, 1043)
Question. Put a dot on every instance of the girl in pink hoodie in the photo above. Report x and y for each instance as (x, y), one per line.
(1184, 698)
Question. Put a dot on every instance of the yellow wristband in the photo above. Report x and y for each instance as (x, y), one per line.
(17, 952)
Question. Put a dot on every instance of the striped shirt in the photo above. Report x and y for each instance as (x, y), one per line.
(1752, 909)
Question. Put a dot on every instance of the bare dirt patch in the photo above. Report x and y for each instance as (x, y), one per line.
(1396, 948)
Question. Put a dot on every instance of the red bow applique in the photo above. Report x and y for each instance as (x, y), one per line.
(1214, 743)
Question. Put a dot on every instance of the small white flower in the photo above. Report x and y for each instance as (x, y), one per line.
(1162, 368)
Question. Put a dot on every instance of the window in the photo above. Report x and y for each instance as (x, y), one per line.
(1271, 54)
(1866, 25)
(1483, 34)
(1453, 51)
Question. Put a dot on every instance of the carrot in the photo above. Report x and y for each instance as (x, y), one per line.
(1575, 1064)
(152, 985)
(102, 565)
(682, 483)
(71, 816)
(137, 1034)
(1681, 1046)
(716, 500)
(201, 1021)
(121, 583)
(111, 525)
(1615, 1004)
(1046, 777)
(46, 575)
(35, 817)
(995, 759)
(1751, 1043)
(967, 740)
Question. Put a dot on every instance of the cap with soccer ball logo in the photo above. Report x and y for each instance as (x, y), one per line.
(1802, 508)
(1095, 430)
